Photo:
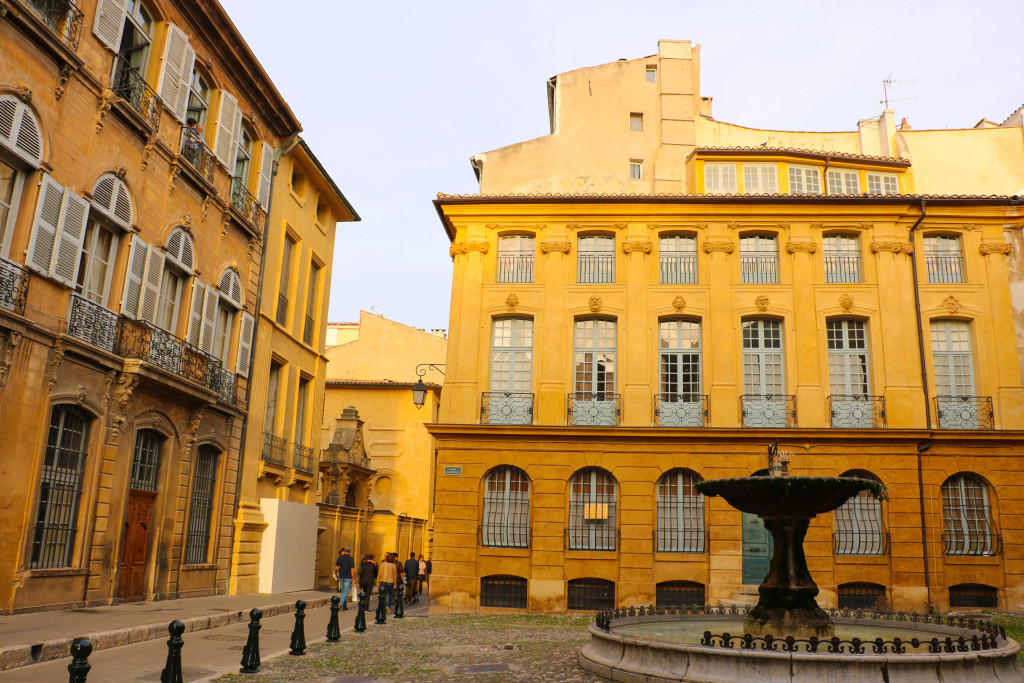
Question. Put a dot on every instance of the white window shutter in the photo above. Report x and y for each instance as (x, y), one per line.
(223, 141)
(19, 130)
(134, 277)
(68, 254)
(151, 285)
(110, 16)
(46, 226)
(236, 135)
(170, 68)
(195, 320)
(187, 65)
(209, 320)
(266, 172)
(245, 344)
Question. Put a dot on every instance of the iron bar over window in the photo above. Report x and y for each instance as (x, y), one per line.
(592, 497)
(680, 513)
(303, 458)
(503, 591)
(842, 258)
(62, 17)
(677, 259)
(973, 595)
(591, 594)
(759, 259)
(596, 259)
(677, 593)
(861, 595)
(197, 541)
(966, 516)
(13, 286)
(506, 522)
(860, 527)
(146, 461)
(515, 258)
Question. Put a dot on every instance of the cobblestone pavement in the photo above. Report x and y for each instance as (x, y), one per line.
(443, 648)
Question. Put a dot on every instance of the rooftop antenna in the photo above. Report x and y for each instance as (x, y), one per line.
(887, 83)
(376, 306)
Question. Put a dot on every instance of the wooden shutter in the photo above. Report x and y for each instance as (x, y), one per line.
(173, 60)
(245, 344)
(19, 130)
(195, 320)
(236, 135)
(151, 285)
(46, 226)
(209, 320)
(110, 15)
(223, 141)
(266, 173)
(187, 65)
(134, 277)
(68, 254)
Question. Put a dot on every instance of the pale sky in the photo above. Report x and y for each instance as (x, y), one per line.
(394, 97)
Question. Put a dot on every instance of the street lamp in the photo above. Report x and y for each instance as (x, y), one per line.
(419, 390)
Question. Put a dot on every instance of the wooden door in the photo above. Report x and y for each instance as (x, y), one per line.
(132, 575)
(757, 550)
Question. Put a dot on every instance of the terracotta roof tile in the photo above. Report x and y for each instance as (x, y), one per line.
(801, 152)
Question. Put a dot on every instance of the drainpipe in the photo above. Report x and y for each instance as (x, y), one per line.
(920, 325)
(922, 446)
(824, 176)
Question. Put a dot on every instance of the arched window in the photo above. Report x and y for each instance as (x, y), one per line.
(506, 521)
(146, 461)
(680, 513)
(677, 593)
(60, 488)
(20, 132)
(860, 528)
(200, 511)
(967, 517)
(860, 595)
(510, 400)
(592, 497)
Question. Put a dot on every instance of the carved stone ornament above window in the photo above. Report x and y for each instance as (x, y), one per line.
(846, 301)
(781, 225)
(761, 302)
(512, 300)
(574, 225)
(894, 248)
(988, 248)
(951, 304)
(595, 303)
(724, 247)
(466, 247)
(642, 247)
(805, 247)
(558, 247)
(679, 303)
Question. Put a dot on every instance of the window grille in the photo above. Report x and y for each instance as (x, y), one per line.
(860, 527)
(515, 258)
(861, 596)
(759, 259)
(973, 595)
(53, 537)
(200, 514)
(592, 497)
(503, 591)
(146, 462)
(842, 258)
(591, 594)
(966, 516)
(676, 593)
(596, 259)
(677, 259)
(680, 513)
(942, 259)
(506, 522)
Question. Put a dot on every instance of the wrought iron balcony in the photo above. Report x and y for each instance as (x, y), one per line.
(13, 287)
(979, 542)
(222, 381)
(245, 202)
(857, 412)
(965, 412)
(93, 323)
(680, 410)
(303, 460)
(595, 269)
(515, 268)
(197, 154)
(678, 269)
(131, 86)
(62, 17)
(944, 269)
(597, 408)
(506, 408)
(274, 449)
(139, 339)
(759, 269)
(842, 268)
(768, 410)
(860, 542)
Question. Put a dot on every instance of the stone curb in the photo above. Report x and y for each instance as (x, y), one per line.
(16, 656)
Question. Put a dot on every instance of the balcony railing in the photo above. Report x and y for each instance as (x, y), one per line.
(93, 323)
(506, 408)
(13, 287)
(139, 339)
(845, 268)
(516, 268)
(860, 542)
(595, 269)
(978, 542)
(759, 269)
(62, 17)
(588, 408)
(221, 381)
(197, 154)
(303, 460)
(944, 269)
(131, 86)
(678, 270)
(965, 412)
(245, 202)
(274, 449)
(857, 412)
(768, 410)
(680, 410)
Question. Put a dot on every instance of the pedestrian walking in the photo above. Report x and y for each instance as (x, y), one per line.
(412, 574)
(345, 571)
(386, 577)
(422, 573)
(367, 575)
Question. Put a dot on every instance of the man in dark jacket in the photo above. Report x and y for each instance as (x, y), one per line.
(367, 574)
(412, 572)
(345, 571)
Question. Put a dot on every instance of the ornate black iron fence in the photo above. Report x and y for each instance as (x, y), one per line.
(506, 407)
(62, 17)
(274, 448)
(680, 410)
(139, 339)
(516, 268)
(131, 86)
(768, 410)
(245, 202)
(589, 408)
(857, 412)
(197, 154)
(13, 287)
(93, 323)
(965, 412)
(222, 381)
(303, 460)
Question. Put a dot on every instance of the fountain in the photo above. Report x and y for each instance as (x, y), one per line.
(787, 636)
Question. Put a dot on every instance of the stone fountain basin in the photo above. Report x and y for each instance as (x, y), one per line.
(622, 656)
(788, 496)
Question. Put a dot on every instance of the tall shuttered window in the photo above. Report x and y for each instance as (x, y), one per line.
(285, 282)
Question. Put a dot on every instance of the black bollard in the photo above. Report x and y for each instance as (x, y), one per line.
(172, 670)
(333, 630)
(79, 667)
(251, 651)
(364, 604)
(298, 645)
(399, 592)
(382, 607)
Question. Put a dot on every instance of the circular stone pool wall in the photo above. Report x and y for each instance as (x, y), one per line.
(623, 656)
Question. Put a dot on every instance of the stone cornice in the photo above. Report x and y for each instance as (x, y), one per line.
(466, 247)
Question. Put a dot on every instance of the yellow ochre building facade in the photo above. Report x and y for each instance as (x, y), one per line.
(634, 316)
